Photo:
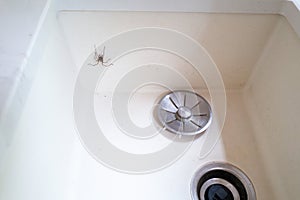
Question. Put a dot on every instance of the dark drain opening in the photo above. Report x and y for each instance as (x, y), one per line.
(218, 192)
(225, 176)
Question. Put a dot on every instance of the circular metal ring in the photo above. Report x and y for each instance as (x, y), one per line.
(219, 170)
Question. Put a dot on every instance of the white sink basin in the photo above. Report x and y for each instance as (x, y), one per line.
(258, 59)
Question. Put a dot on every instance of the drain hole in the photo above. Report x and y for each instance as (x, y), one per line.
(218, 192)
(221, 181)
(223, 176)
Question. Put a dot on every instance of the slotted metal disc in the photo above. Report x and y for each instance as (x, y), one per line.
(184, 113)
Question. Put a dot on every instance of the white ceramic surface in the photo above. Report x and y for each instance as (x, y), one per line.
(258, 58)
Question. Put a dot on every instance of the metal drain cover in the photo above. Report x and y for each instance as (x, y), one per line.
(184, 113)
(222, 181)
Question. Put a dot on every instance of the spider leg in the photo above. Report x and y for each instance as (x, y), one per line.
(103, 51)
(95, 49)
(96, 55)
(107, 63)
(107, 60)
(104, 64)
(93, 64)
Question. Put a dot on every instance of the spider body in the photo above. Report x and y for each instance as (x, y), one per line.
(99, 58)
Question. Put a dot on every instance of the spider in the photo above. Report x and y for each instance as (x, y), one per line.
(99, 58)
